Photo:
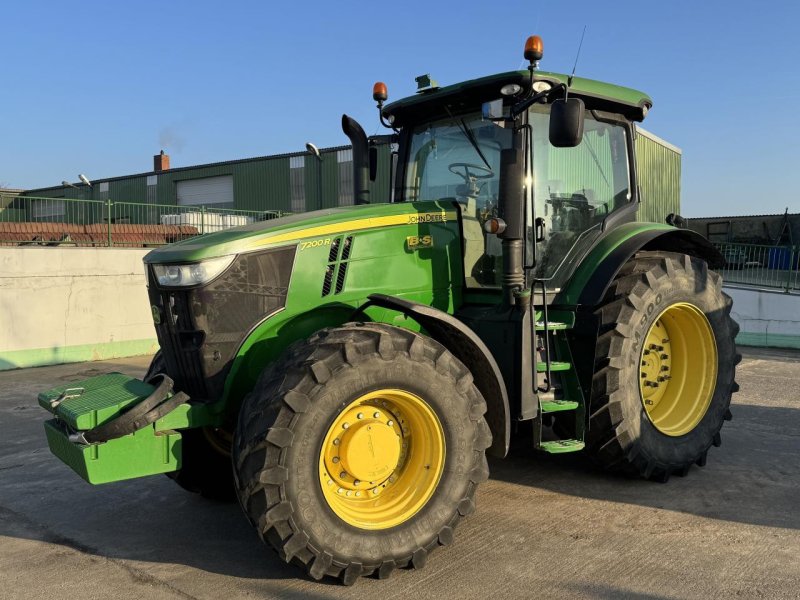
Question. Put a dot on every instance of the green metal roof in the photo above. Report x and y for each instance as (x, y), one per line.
(601, 95)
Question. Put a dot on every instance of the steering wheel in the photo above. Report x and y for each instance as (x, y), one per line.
(471, 172)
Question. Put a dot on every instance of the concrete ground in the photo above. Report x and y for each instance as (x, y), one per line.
(545, 526)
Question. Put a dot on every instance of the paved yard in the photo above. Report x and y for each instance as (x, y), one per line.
(545, 526)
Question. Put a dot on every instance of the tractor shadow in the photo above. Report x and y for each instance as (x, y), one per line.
(753, 478)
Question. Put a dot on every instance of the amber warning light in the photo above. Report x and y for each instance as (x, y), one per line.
(534, 49)
(379, 93)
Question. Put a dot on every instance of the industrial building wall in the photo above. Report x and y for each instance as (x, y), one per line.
(658, 167)
(258, 184)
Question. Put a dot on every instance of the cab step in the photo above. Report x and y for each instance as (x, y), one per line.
(541, 367)
(551, 406)
(552, 326)
(561, 446)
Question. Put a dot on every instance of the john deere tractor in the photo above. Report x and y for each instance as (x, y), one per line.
(345, 372)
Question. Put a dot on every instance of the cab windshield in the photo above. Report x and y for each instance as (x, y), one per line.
(458, 158)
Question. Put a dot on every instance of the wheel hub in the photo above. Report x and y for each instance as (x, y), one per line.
(368, 449)
(678, 369)
(656, 364)
(381, 459)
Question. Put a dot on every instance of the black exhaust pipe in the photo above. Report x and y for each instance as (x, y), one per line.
(358, 139)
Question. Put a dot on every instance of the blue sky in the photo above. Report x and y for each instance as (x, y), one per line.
(99, 87)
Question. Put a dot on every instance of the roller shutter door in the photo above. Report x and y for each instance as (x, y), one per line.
(208, 190)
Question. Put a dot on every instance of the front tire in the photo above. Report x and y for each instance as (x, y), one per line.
(664, 367)
(358, 392)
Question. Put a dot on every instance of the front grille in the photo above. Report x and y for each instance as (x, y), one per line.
(201, 329)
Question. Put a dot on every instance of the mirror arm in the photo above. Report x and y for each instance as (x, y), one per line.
(522, 106)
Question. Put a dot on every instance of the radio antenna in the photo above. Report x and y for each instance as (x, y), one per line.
(575, 66)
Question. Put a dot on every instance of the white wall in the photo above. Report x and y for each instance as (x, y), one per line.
(766, 318)
(69, 304)
(76, 304)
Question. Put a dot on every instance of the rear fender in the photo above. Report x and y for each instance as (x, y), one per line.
(591, 280)
(588, 286)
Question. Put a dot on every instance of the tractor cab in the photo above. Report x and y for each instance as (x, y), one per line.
(502, 149)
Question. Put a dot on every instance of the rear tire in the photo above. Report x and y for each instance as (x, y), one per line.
(626, 432)
(281, 453)
(205, 455)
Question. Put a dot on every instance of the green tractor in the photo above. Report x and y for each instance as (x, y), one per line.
(345, 372)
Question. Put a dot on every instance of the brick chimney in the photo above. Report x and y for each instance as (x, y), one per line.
(161, 162)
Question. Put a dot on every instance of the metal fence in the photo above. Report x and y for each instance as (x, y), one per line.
(27, 220)
(761, 266)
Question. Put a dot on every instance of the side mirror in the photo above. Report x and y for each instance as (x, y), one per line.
(566, 122)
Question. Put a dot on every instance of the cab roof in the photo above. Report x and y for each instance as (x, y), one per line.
(597, 95)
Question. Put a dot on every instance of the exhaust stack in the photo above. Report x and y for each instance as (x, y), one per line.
(358, 139)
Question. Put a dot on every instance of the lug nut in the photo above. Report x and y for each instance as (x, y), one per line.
(335, 459)
(665, 341)
(656, 347)
(345, 425)
(358, 493)
(343, 474)
(340, 490)
(390, 423)
(357, 482)
(646, 351)
(644, 375)
(330, 482)
(360, 416)
(349, 493)
(376, 415)
(665, 368)
(664, 356)
(336, 442)
(376, 491)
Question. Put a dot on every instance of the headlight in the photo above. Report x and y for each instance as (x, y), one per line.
(194, 274)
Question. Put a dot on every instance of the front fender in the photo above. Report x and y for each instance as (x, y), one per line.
(470, 350)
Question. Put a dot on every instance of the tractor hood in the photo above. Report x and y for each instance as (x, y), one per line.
(294, 228)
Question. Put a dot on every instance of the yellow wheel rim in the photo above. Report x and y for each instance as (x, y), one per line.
(678, 371)
(382, 458)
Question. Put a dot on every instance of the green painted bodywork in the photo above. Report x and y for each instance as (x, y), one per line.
(89, 403)
(570, 293)
(380, 262)
(265, 234)
(145, 452)
(82, 405)
(580, 86)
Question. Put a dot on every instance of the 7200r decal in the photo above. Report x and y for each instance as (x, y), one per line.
(315, 243)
